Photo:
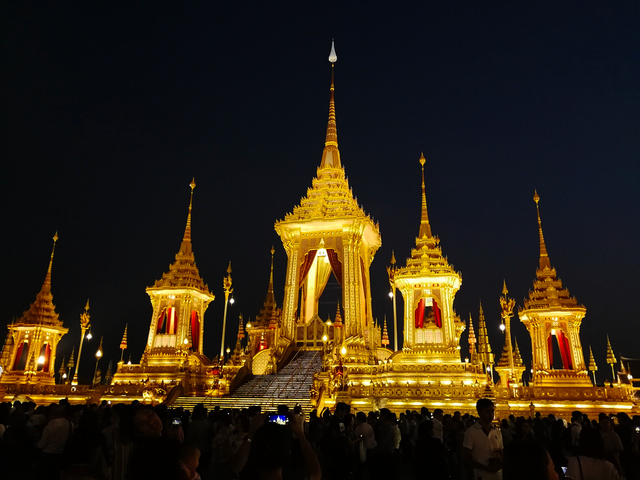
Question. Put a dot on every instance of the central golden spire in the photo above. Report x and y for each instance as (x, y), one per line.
(544, 256)
(425, 226)
(185, 247)
(331, 154)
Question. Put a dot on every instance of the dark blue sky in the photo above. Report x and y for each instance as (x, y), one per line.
(107, 112)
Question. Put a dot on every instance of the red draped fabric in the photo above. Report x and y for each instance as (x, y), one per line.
(16, 364)
(336, 266)
(195, 331)
(437, 314)
(47, 358)
(161, 319)
(563, 343)
(306, 266)
(550, 350)
(420, 314)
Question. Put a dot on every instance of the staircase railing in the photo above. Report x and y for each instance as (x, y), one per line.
(293, 375)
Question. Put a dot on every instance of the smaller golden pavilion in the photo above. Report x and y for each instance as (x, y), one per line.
(29, 352)
(174, 351)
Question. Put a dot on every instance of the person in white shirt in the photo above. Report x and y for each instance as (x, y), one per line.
(438, 416)
(482, 446)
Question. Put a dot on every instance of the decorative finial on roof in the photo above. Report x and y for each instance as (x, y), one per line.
(46, 287)
(425, 227)
(504, 288)
(229, 268)
(185, 248)
(271, 275)
(485, 354)
(331, 154)
(385, 334)
(544, 256)
(333, 58)
(393, 258)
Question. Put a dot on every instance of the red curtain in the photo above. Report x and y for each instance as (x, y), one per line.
(336, 266)
(161, 319)
(306, 266)
(195, 331)
(16, 364)
(563, 343)
(420, 314)
(47, 357)
(550, 350)
(437, 314)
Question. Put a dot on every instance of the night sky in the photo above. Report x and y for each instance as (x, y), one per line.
(107, 112)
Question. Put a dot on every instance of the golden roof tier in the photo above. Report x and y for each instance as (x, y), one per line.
(183, 272)
(428, 285)
(553, 317)
(328, 232)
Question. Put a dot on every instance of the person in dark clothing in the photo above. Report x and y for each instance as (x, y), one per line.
(430, 456)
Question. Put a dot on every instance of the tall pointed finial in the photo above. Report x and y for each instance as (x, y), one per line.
(544, 256)
(393, 258)
(331, 154)
(273, 250)
(185, 248)
(46, 286)
(484, 347)
(425, 227)
(86, 307)
(504, 288)
(229, 268)
(385, 334)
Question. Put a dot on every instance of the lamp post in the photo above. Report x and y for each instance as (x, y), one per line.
(507, 305)
(85, 321)
(98, 356)
(392, 275)
(226, 285)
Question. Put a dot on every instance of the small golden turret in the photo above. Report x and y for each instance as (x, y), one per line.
(593, 368)
(385, 334)
(485, 355)
(472, 342)
(611, 359)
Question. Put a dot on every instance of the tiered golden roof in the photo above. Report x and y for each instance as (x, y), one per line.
(547, 288)
(611, 358)
(43, 311)
(472, 342)
(330, 196)
(427, 256)
(385, 334)
(517, 358)
(184, 272)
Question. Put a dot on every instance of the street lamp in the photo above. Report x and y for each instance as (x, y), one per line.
(226, 285)
(391, 271)
(85, 321)
(98, 357)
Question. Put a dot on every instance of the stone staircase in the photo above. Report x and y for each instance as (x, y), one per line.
(290, 386)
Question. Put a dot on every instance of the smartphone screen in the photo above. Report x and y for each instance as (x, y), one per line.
(176, 421)
(564, 469)
(279, 419)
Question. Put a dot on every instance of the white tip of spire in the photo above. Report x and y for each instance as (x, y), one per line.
(333, 58)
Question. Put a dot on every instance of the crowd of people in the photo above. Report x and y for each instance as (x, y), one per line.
(121, 442)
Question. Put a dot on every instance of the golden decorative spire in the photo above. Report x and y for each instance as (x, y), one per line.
(425, 227)
(270, 290)
(185, 247)
(593, 368)
(385, 334)
(331, 154)
(393, 258)
(72, 359)
(338, 319)
(517, 357)
(544, 256)
(611, 358)
(484, 347)
(472, 337)
(123, 342)
(46, 286)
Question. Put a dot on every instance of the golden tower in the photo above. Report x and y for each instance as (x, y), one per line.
(33, 339)
(428, 285)
(179, 299)
(328, 232)
(552, 317)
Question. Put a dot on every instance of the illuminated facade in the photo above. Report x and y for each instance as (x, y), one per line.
(553, 319)
(174, 350)
(29, 353)
(329, 233)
